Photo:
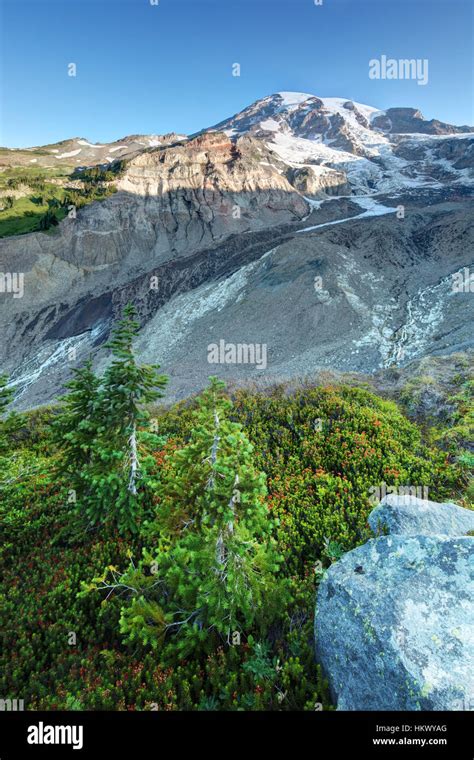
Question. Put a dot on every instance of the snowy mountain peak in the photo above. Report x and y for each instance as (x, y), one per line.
(293, 98)
(299, 111)
(370, 149)
(310, 116)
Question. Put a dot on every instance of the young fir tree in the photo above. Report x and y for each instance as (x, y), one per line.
(119, 477)
(8, 422)
(75, 429)
(212, 572)
(6, 394)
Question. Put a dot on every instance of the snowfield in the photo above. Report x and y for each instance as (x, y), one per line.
(371, 206)
(90, 145)
(70, 154)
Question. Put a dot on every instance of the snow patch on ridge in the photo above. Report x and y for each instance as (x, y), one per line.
(50, 355)
(270, 124)
(70, 154)
(90, 145)
(371, 206)
(294, 98)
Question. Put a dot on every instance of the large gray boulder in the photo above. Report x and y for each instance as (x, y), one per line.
(394, 624)
(411, 516)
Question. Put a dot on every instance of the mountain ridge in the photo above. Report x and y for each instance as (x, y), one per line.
(238, 220)
(289, 99)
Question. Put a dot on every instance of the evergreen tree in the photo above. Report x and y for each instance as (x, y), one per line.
(6, 394)
(8, 423)
(120, 476)
(49, 219)
(212, 572)
(75, 428)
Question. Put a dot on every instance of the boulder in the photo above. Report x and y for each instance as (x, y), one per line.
(411, 516)
(394, 624)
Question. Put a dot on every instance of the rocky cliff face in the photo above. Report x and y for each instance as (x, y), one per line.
(411, 120)
(297, 224)
(319, 183)
(171, 202)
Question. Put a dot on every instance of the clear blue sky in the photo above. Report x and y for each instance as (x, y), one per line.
(156, 69)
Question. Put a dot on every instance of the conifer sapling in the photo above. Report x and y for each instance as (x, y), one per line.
(214, 566)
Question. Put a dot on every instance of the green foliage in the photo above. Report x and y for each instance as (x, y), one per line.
(49, 219)
(213, 572)
(121, 470)
(323, 449)
(89, 192)
(105, 427)
(100, 174)
(34, 433)
(6, 394)
(9, 423)
(44, 202)
(7, 202)
(324, 439)
(451, 426)
(75, 428)
(44, 555)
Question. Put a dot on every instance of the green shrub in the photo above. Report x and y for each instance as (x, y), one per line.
(322, 449)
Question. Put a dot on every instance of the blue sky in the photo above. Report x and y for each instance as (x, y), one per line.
(154, 69)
